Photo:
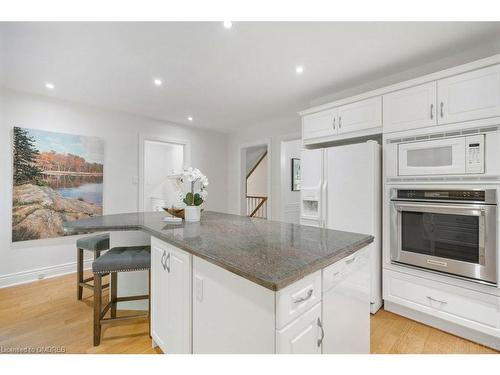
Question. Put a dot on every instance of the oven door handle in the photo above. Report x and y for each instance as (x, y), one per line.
(453, 209)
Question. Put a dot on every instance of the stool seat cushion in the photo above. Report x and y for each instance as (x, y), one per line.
(122, 259)
(94, 243)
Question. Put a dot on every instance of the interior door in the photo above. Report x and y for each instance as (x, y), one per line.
(178, 316)
(410, 108)
(362, 115)
(469, 96)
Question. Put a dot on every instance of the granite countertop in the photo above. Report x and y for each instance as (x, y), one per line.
(270, 253)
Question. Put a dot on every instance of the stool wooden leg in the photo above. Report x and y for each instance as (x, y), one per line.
(97, 308)
(113, 293)
(79, 273)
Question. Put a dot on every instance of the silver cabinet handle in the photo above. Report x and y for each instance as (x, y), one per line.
(436, 300)
(432, 111)
(340, 122)
(302, 299)
(320, 325)
(167, 263)
(349, 261)
(442, 111)
(163, 263)
(334, 123)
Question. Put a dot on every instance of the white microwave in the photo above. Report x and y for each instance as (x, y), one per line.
(446, 156)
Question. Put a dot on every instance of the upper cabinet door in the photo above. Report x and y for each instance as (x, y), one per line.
(410, 108)
(365, 114)
(321, 124)
(469, 96)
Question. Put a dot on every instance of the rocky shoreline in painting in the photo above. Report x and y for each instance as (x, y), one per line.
(39, 211)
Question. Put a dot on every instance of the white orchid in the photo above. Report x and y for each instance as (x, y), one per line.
(193, 175)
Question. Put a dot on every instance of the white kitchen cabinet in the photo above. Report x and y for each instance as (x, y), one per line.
(171, 275)
(469, 96)
(304, 335)
(361, 115)
(318, 125)
(410, 108)
(346, 299)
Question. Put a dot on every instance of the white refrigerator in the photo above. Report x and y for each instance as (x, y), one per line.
(341, 189)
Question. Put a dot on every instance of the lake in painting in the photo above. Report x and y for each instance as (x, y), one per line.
(87, 188)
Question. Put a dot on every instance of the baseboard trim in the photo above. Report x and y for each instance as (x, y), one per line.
(444, 325)
(40, 273)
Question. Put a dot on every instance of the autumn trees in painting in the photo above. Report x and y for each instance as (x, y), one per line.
(53, 162)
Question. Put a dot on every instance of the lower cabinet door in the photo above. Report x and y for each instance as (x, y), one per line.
(171, 298)
(178, 317)
(304, 335)
(159, 296)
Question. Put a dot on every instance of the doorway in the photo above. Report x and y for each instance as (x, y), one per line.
(160, 159)
(255, 184)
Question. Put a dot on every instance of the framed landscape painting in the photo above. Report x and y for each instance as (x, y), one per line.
(57, 177)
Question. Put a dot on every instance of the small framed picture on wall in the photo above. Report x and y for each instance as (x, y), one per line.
(295, 174)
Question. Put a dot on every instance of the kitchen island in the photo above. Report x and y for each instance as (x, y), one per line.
(233, 284)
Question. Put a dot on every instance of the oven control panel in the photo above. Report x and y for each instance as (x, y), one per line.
(455, 195)
(474, 154)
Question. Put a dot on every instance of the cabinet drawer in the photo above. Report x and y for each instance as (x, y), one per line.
(297, 298)
(470, 308)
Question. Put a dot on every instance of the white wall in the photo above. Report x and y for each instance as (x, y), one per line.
(272, 132)
(290, 200)
(120, 132)
(257, 181)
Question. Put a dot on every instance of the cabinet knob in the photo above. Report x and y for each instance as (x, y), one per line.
(340, 122)
(334, 123)
(432, 111)
(441, 109)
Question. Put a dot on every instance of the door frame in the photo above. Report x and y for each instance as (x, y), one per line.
(143, 138)
(242, 176)
(284, 184)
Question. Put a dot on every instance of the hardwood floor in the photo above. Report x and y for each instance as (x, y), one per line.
(47, 314)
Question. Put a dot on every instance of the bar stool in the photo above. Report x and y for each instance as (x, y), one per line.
(118, 259)
(96, 244)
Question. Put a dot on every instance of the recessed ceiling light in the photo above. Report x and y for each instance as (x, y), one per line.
(49, 86)
(190, 118)
(158, 82)
(228, 24)
(299, 69)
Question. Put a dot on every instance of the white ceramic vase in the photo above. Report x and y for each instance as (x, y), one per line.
(192, 213)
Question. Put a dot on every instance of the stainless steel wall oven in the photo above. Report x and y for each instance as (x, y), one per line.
(451, 231)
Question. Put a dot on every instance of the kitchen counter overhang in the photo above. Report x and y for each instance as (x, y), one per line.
(269, 253)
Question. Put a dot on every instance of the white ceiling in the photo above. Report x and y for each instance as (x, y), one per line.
(227, 80)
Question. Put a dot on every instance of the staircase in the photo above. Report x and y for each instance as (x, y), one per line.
(256, 204)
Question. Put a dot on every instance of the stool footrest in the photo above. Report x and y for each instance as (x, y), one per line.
(138, 316)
